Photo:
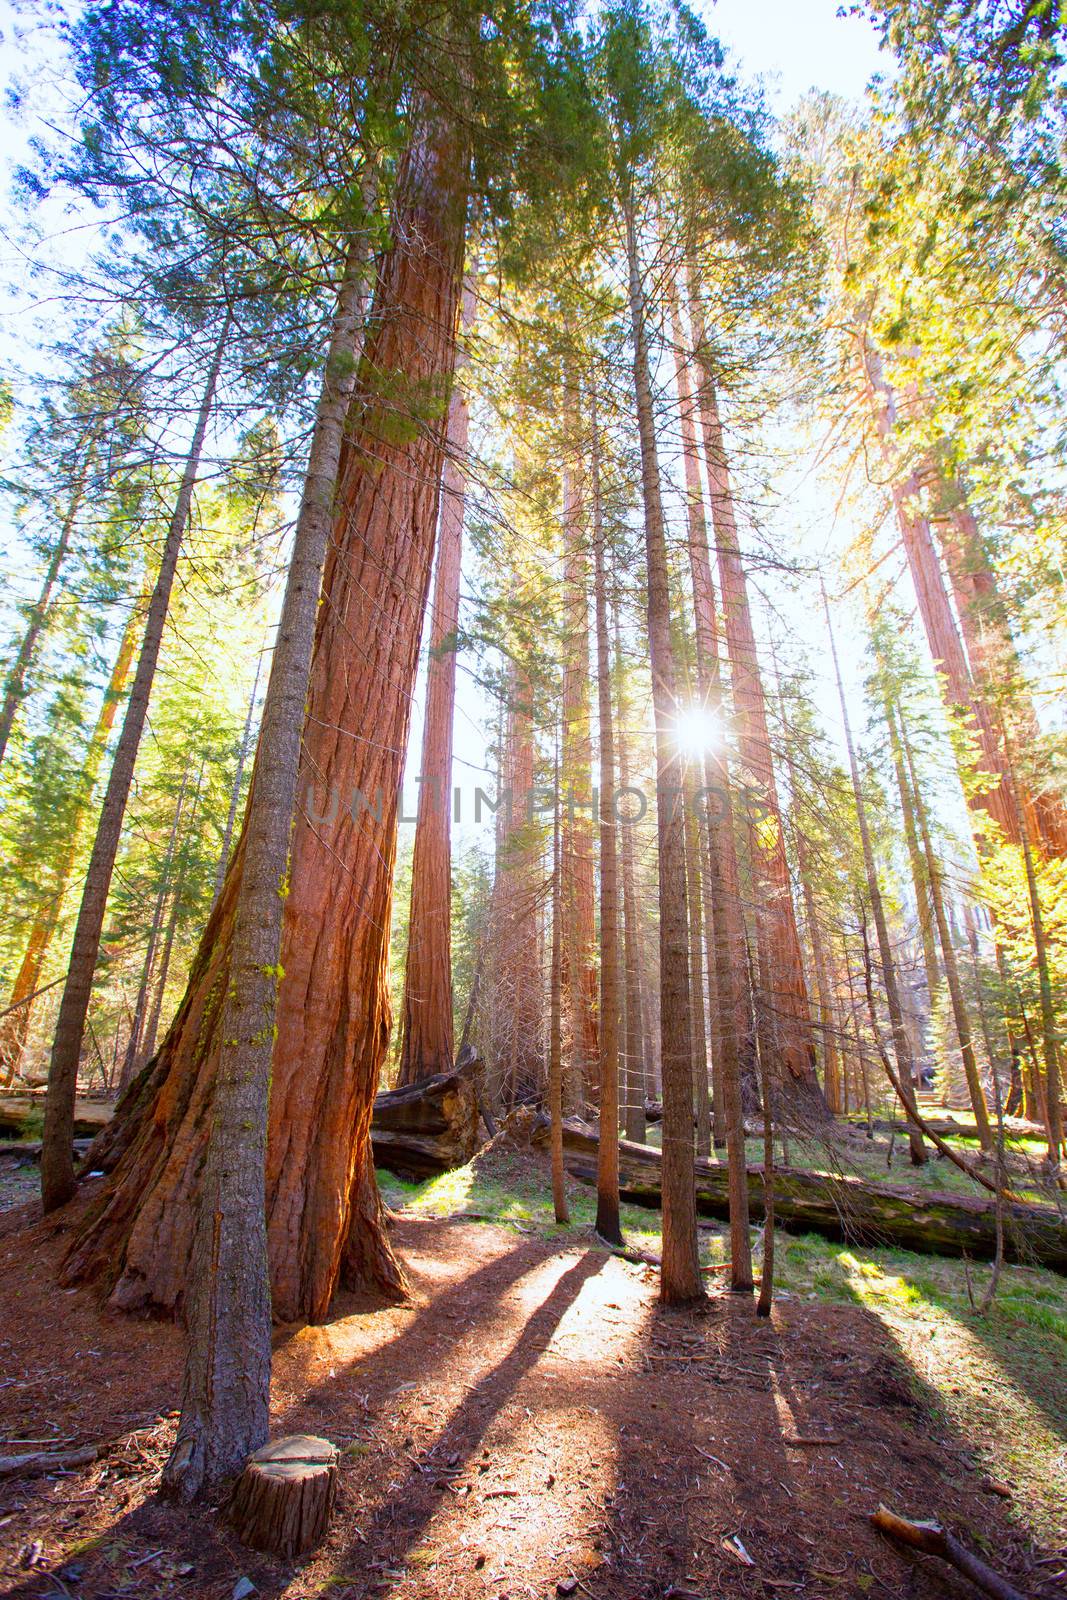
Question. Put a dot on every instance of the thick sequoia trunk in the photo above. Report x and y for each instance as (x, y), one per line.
(332, 1009)
(579, 933)
(680, 1268)
(788, 997)
(14, 1028)
(427, 1015)
(845, 1208)
(57, 1169)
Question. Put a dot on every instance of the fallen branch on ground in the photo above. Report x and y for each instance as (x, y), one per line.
(933, 1540)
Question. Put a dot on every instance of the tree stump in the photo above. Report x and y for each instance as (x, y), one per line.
(283, 1498)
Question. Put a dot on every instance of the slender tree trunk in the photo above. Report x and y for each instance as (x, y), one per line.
(789, 999)
(830, 1055)
(555, 1025)
(133, 1043)
(727, 1012)
(323, 1211)
(901, 1045)
(1053, 1105)
(919, 878)
(948, 951)
(26, 654)
(634, 1111)
(243, 754)
(680, 1270)
(516, 978)
(57, 1159)
(14, 1028)
(695, 888)
(579, 942)
(607, 1187)
(427, 1011)
(148, 1049)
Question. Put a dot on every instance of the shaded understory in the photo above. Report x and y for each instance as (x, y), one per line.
(533, 1417)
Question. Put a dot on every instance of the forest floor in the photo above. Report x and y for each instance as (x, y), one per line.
(533, 1423)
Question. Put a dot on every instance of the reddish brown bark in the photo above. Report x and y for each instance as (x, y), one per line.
(333, 1008)
(961, 693)
(427, 1015)
(788, 996)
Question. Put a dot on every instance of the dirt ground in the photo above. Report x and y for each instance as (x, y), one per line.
(531, 1424)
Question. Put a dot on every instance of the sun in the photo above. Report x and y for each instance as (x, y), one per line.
(697, 729)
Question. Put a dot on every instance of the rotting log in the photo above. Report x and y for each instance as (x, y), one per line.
(426, 1127)
(283, 1498)
(22, 1112)
(846, 1208)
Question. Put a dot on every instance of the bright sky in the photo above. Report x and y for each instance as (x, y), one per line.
(796, 45)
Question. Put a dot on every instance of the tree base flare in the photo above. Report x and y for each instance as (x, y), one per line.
(282, 1500)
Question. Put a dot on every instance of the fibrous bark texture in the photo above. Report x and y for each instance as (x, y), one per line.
(427, 1018)
(333, 1007)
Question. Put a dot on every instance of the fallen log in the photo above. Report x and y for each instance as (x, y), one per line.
(933, 1540)
(845, 1208)
(427, 1127)
(416, 1132)
(22, 1114)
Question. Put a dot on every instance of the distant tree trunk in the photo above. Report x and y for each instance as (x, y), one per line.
(579, 941)
(427, 1021)
(243, 753)
(133, 1043)
(607, 1187)
(830, 1055)
(727, 1011)
(942, 633)
(515, 977)
(57, 1159)
(680, 1269)
(14, 1028)
(901, 1045)
(634, 1110)
(148, 1049)
(948, 950)
(25, 656)
(992, 652)
(789, 999)
(919, 879)
(1053, 1101)
(322, 1207)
